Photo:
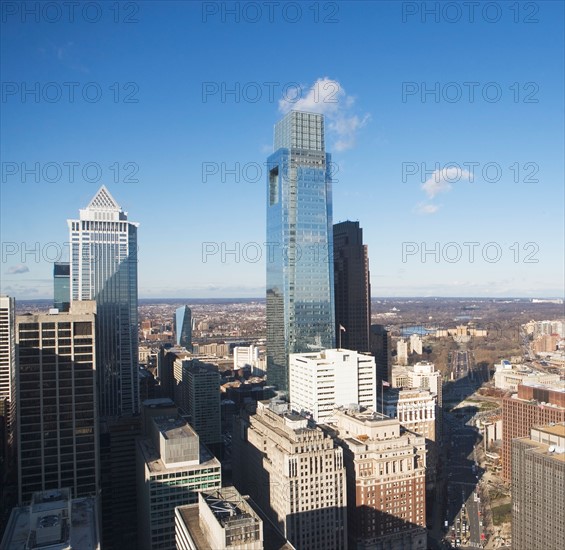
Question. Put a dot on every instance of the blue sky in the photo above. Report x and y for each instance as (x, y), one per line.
(417, 171)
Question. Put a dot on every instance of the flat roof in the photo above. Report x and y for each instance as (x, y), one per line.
(83, 529)
(557, 429)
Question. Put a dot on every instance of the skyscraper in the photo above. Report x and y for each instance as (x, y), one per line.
(300, 291)
(7, 383)
(352, 286)
(56, 402)
(183, 327)
(538, 489)
(104, 269)
(295, 473)
(61, 286)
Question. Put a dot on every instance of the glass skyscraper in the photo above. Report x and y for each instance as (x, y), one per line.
(183, 327)
(104, 269)
(300, 287)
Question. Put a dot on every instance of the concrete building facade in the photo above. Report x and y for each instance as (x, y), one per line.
(322, 381)
(533, 405)
(295, 473)
(57, 428)
(386, 480)
(172, 467)
(538, 489)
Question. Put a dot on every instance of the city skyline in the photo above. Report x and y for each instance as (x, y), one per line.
(405, 136)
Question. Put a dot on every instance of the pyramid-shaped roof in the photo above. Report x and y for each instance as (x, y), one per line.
(103, 200)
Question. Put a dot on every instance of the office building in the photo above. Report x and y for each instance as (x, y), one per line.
(245, 357)
(416, 344)
(381, 348)
(103, 261)
(386, 473)
(538, 489)
(62, 286)
(182, 327)
(352, 287)
(104, 269)
(295, 474)
(508, 376)
(201, 400)
(322, 381)
(172, 467)
(55, 521)
(7, 381)
(300, 278)
(57, 432)
(533, 405)
(416, 411)
(221, 519)
(402, 352)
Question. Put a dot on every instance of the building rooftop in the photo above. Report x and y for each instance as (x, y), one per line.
(44, 524)
(174, 427)
(555, 429)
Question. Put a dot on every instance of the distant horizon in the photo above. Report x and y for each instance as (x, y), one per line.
(262, 299)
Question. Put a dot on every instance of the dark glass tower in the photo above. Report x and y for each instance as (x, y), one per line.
(62, 286)
(300, 300)
(352, 286)
(183, 327)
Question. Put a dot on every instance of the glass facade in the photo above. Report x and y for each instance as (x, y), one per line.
(300, 291)
(61, 286)
(183, 327)
(104, 269)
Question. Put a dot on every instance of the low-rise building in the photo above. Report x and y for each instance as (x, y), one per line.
(507, 376)
(53, 521)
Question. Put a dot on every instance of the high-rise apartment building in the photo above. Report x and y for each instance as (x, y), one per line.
(538, 489)
(322, 381)
(300, 275)
(386, 472)
(352, 286)
(7, 380)
(533, 405)
(57, 430)
(172, 467)
(295, 474)
(182, 326)
(104, 269)
(62, 286)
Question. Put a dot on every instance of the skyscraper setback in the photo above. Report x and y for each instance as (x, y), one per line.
(104, 269)
(300, 292)
(352, 286)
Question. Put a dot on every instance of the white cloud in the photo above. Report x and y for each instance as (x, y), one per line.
(441, 181)
(17, 269)
(427, 208)
(328, 97)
